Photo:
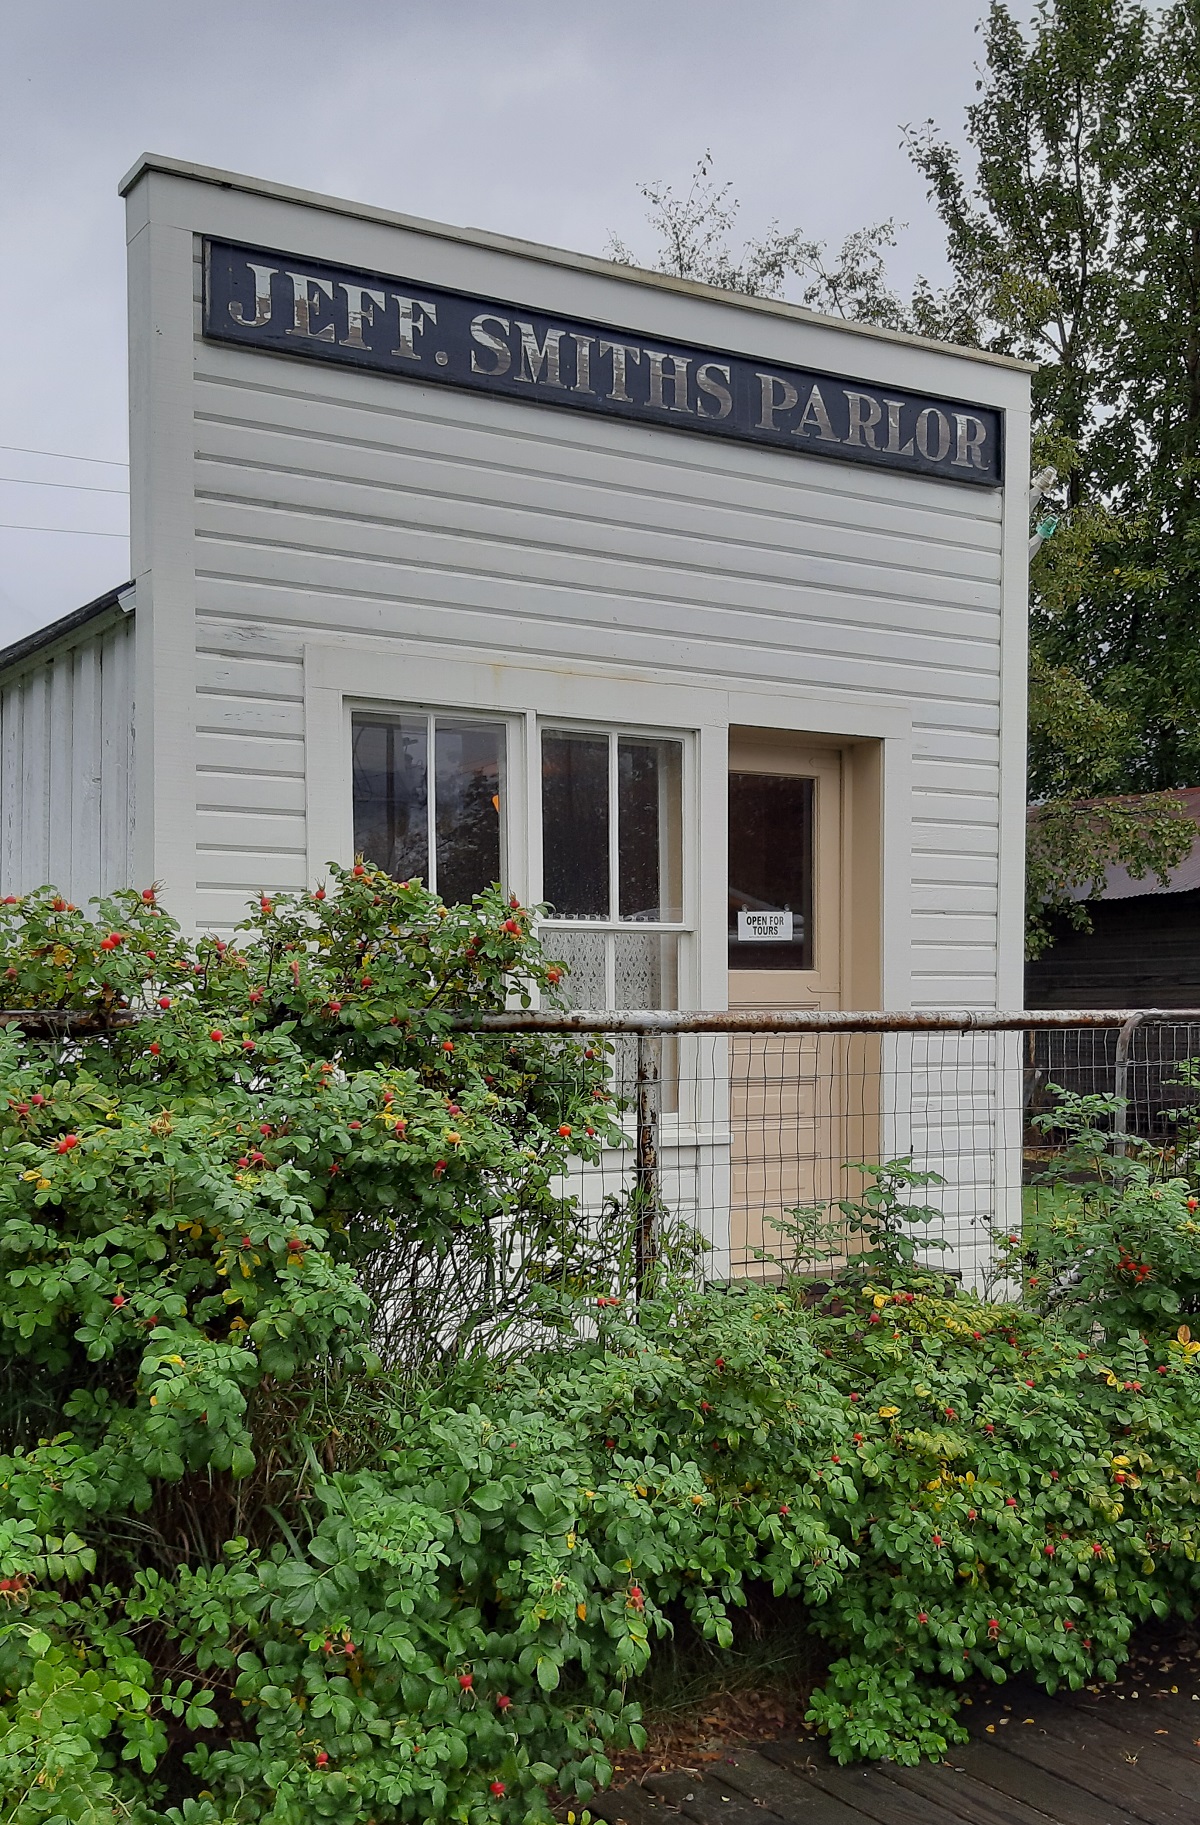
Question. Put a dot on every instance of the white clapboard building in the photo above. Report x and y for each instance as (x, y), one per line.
(696, 615)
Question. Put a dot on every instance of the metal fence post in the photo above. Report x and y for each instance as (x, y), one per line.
(1121, 1082)
(646, 1179)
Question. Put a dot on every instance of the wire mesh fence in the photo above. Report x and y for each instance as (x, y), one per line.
(748, 1130)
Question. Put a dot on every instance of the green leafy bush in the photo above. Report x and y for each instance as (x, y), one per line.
(249, 1572)
(209, 1216)
(1113, 1237)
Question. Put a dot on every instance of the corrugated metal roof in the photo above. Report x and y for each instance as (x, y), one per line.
(1120, 884)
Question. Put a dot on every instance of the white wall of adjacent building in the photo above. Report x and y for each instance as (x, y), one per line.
(66, 763)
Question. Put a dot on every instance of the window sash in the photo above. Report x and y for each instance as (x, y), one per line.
(671, 860)
(434, 727)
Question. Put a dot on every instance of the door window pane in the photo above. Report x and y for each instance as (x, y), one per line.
(770, 871)
(575, 825)
(391, 783)
(649, 829)
(467, 803)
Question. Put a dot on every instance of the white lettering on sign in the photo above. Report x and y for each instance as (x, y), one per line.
(765, 927)
(382, 323)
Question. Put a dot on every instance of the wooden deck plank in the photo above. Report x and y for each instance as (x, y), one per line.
(1110, 1778)
(791, 1796)
(1178, 1769)
(629, 1805)
(1145, 1714)
(968, 1798)
(1127, 1754)
(718, 1802)
(706, 1798)
(875, 1793)
(1067, 1803)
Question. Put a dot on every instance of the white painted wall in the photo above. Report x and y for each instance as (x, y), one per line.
(288, 510)
(66, 765)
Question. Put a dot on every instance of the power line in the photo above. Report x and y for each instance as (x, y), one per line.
(78, 531)
(26, 481)
(106, 462)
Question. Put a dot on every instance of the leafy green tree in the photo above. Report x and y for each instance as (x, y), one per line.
(1073, 236)
(1078, 236)
(693, 229)
(1031, 235)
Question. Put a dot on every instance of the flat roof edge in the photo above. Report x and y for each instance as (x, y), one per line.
(554, 256)
(30, 644)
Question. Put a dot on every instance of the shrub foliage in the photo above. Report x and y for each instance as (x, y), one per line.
(253, 1572)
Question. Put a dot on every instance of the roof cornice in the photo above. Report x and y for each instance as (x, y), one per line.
(553, 256)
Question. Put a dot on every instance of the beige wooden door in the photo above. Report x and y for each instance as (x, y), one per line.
(785, 942)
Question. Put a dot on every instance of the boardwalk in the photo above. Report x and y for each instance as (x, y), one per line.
(1122, 1756)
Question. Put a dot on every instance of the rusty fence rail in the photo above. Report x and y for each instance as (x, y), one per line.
(809, 1020)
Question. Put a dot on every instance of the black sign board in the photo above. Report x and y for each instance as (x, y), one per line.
(275, 301)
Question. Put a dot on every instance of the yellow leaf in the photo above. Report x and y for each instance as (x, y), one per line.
(1184, 1334)
(888, 1412)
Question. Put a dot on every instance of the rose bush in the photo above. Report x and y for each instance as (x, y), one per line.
(250, 1571)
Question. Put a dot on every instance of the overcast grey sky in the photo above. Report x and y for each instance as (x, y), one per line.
(527, 117)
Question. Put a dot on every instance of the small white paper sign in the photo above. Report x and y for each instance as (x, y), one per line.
(764, 927)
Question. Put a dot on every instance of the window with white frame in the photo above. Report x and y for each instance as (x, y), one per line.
(429, 794)
(612, 864)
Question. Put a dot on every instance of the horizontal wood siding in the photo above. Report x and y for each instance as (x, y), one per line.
(1143, 952)
(66, 768)
(387, 510)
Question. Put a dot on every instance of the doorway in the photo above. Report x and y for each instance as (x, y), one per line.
(786, 875)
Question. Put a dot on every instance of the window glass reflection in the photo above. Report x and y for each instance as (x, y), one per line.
(392, 811)
(575, 825)
(467, 802)
(649, 829)
(391, 784)
(770, 871)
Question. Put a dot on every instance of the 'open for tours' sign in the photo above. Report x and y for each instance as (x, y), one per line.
(278, 302)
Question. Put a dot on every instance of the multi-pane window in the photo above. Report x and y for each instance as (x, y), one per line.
(429, 799)
(612, 864)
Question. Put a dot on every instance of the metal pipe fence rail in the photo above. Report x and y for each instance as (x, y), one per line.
(745, 1127)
